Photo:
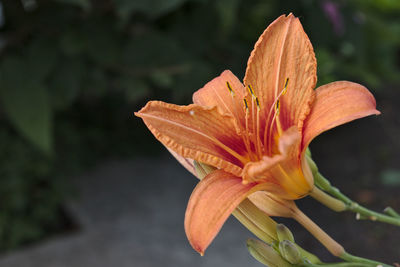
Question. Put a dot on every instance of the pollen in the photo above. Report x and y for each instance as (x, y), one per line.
(251, 90)
(277, 107)
(258, 103)
(191, 113)
(230, 88)
(285, 86)
(246, 105)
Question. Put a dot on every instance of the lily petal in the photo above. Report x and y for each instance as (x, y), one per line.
(337, 103)
(196, 132)
(283, 52)
(224, 91)
(212, 201)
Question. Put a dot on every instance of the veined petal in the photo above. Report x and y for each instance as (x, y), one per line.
(337, 103)
(196, 132)
(212, 201)
(283, 52)
(224, 91)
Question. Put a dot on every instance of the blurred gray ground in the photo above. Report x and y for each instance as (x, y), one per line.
(131, 214)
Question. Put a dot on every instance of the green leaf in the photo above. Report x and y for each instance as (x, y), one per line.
(95, 83)
(162, 79)
(66, 83)
(72, 42)
(391, 177)
(103, 42)
(151, 8)
(227, 10)
(26, 104)
(84, 4)
(133, 88)
(42, 57)
(153, 50)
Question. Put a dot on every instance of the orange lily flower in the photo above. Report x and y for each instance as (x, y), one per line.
(256, 132)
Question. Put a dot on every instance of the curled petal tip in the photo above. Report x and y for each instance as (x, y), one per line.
(212, 201)
(337, 103)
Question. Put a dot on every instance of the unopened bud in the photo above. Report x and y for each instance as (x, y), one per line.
(202, 170)
(290, 252)
(312, 164)
(322, 182)
(265, 254)
(308, 152)
(259, 223)
(284, 233)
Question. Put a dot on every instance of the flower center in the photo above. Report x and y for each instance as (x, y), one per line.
(250, 128)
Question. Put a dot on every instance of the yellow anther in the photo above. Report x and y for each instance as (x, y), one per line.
(285, 87)
(258, 103)
(246, 105)
(230, 88)
(277, 107)
(251, 90)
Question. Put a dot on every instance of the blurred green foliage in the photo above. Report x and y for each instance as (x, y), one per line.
(72, 72)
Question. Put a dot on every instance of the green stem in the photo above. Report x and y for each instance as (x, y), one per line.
(391, 212)
(339, 264)
(372, 215)
(329, 201)
(335, 248)
(353, 206)
(350, 258)
(352, 261)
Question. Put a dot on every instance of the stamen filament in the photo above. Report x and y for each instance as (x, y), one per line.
(275, 107)
(235, 113)
(247, 130)
(258, 145)
(255, 118)
(277, 112)
(245, 135)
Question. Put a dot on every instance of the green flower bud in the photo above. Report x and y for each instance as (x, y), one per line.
(284, 233)
(265, 254)
(322, 182)
(290, 252)
(312, 164)
(308, 152)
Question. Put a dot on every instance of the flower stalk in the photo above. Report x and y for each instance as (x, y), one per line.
(327, 200)
(390, 217)
(337, 201)
(334, 247)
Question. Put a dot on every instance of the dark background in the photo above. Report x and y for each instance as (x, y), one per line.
(72, 72)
